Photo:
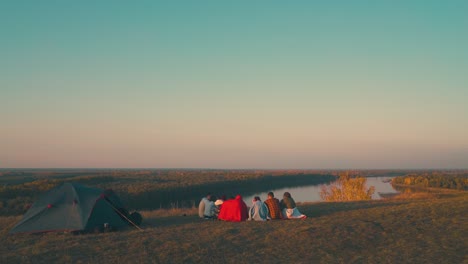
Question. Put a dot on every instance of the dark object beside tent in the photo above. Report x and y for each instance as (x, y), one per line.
(136, 218)
(74, 207)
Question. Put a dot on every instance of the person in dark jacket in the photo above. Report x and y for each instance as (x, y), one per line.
(289, 207)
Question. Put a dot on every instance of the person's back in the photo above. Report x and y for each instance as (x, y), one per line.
(234, 210)
(288, 202)
(258, 211)
(204, 205)
(289, 207)
(209, 209)
(273, 206)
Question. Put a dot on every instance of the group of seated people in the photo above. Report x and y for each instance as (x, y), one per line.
(235, 209)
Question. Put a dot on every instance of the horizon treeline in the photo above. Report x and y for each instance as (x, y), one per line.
(457, 181)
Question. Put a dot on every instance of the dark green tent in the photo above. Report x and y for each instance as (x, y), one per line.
(73, 207)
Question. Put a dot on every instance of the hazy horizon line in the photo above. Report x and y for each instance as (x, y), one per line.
(213, 168)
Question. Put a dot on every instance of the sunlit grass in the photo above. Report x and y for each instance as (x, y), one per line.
(420, 229)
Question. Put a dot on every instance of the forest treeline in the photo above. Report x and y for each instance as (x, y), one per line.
(457, 180)
(166, 188)
(152, 189)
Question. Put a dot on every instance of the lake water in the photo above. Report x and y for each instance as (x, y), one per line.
(311, 193)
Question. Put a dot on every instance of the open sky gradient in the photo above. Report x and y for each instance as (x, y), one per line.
(234, 84)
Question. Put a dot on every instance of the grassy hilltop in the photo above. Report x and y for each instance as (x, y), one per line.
(421, 228)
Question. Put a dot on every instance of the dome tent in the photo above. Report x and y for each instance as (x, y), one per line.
(73, 207)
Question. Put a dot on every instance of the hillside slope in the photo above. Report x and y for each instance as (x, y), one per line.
(425, 230)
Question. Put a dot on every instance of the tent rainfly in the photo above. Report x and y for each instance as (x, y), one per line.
(74, 207)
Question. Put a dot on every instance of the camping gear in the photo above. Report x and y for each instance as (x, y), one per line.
(75, 207)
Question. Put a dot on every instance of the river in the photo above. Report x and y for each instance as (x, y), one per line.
(311, 193)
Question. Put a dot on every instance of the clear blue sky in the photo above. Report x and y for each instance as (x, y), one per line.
(234, 84)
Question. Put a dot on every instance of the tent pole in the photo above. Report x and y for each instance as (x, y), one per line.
(115, 209)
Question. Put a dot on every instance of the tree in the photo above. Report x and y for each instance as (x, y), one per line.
(347, 188)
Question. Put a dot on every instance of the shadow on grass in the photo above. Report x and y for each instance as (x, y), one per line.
(327, 208)
(312, 210)
(155, 222)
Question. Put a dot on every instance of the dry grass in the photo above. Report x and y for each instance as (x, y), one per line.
(169, 212)
(426, 230)
(417, 195)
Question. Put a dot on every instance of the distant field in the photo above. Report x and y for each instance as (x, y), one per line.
(422, 228)
(150, 189)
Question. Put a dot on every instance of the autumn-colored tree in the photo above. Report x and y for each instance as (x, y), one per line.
(347, 188)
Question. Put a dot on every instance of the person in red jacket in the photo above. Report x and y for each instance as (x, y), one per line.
(234, 210)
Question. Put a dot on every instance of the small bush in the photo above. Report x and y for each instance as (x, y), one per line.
(347, 189)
